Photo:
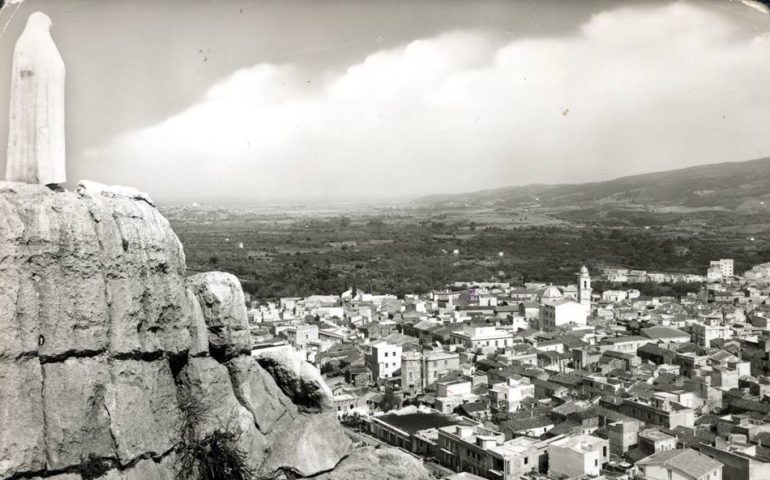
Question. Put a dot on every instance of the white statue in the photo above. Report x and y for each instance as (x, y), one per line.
(36, 126)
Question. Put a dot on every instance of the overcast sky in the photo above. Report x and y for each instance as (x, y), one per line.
(238, 102)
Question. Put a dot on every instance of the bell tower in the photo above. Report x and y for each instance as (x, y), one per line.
(584, 288)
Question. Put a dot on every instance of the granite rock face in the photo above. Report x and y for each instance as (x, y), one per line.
(298, 380)
(22, 442)
(379, 463)
(221, 301)
(87, 275)
(259, 394)
(109, 354)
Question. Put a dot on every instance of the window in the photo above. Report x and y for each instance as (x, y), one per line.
(596, 463)
(604, 451)
(526, 460)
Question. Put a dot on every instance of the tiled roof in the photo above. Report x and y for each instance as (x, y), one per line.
(688, 461)
(517, 425)
(663, 332)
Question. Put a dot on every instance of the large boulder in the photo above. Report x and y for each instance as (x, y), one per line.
(199, 334)
(258, 392)
(307, 445)
(209, 404)
(224, 310)
(22, 445)
(85, 274)
(299, 380)
(143, 390)
(77, 422)
(379, 463)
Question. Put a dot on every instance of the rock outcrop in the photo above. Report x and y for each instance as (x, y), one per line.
(221, 302)
(297, 379)
(379, 463)
(112, 361)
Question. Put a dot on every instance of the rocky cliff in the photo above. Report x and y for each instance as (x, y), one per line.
(116, 365)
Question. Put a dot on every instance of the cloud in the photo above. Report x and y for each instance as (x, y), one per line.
(633, 90)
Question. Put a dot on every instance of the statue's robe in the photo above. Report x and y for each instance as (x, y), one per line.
(36, 125)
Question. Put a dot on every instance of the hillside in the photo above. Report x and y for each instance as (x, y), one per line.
(734, 185)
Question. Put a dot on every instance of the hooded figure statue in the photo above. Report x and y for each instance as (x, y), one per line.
(36, 125)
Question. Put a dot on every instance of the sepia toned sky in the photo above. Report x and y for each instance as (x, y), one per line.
(260, 101)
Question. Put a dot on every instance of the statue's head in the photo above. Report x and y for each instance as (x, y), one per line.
(40, 22)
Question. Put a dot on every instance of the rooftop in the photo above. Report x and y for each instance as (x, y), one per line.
(661, 332)
(689, 461)
(416, 421)
(580, 442)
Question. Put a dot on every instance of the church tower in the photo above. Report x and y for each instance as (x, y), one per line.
(584, 288)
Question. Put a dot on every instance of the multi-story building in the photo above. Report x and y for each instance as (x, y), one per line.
(452, 394)
(560, 312)
(708, 329)
(652, 440)
(400, 426)
(624, 344)
(420, 369)
(474, 338)
(383, 359)
(622, 435)
(483, 452)
(507, 397)
(466, 448)
(578, 455)
(724, 266)
(301, 335)
(660, 410)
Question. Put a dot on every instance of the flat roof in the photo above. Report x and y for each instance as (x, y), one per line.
(414, 422)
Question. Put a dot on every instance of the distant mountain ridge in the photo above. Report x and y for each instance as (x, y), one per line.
(731, 185)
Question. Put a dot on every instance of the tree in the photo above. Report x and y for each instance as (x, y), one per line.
(390, 400)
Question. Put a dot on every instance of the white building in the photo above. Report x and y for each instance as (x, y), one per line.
(684, 464)
(726, 265)
(383, 359)
(475, 338)
(614, 296)
(507, 397)
(708, 329)
(719, 269)
(578, 455)
(560, 312)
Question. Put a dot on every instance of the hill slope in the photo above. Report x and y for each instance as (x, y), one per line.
(733, 185)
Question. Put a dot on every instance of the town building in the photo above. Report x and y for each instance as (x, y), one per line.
(660, 410)
(578, 455)
(560, 313)
(383, 359)
(684, 464)
(420, 369)
(476, 338)
(507, 397)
